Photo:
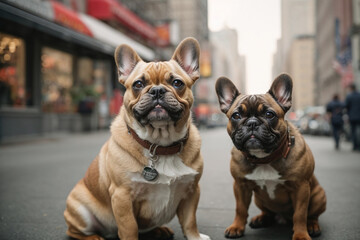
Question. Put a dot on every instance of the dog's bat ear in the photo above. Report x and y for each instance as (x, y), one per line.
(226, 92)
(126, 59)
(187, 55)
(281, 91)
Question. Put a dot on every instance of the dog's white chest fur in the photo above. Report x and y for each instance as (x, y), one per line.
(164, 195)
(266, 176)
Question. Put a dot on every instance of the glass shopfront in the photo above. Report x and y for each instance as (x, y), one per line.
(57, 80)
(52, 78)
(13, 92)
(91, 90)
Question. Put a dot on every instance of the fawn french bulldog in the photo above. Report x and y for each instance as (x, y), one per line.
(149, 169)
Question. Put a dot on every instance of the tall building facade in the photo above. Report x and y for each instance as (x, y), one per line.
(229, 63)
(328, 81)
(225, 61)
(356, 41)
(185, 18)
(301, 66)
(192, 17)
(296, 49)
(335, 63)
(297, 18)
(277, 66)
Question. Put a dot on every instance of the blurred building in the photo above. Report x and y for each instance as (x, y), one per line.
(295, 50)
(190, 15)
(57, 71)
(301, 67)
(335, 64)
(277, 66)
(297, 18)
(225, 61)
(229, 62)
(182, 18)
(326, 76)
(355, 30)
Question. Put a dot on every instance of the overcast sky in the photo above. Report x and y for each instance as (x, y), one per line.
(258, 26)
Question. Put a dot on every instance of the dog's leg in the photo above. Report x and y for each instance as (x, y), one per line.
(265, 219)
(317, 206)
(243, 198)
(80, 220)
(300, 198)
(78, 235)
(123, 211)
(74, 231)
(186, 213)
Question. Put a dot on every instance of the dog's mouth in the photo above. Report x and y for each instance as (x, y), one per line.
(158, 113)
(253, 143)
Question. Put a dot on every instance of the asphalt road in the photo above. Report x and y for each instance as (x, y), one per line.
(35, 178)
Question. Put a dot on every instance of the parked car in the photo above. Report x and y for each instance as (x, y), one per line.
(314, 121)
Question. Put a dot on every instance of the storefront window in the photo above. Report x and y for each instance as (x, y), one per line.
(12, 72)
(57, 81)
(93, 75)
(90, 92)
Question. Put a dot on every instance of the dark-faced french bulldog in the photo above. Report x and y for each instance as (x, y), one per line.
(149, 169)
(270, 159)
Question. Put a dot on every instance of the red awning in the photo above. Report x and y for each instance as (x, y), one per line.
(111, 9)
(69, 18)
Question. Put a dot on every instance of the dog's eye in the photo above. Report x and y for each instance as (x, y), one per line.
(177, 83)
(236, 116)
(138, 85)
(269, 115)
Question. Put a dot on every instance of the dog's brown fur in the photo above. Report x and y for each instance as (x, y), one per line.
(299, 198)
(111, 200)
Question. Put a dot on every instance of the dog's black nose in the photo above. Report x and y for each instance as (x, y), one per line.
(157, 92)
(253, 122)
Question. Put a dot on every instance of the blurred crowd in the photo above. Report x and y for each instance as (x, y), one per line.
(339, 119)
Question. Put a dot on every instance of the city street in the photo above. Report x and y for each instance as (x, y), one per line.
(35, 178)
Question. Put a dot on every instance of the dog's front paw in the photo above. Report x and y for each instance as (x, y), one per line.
(301, 236)
(313, 228)
(234, 231)
(204, 237)
(261, 221)
(200, 237)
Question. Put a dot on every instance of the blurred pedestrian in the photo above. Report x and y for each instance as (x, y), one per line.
(353, 109)
(336, 108)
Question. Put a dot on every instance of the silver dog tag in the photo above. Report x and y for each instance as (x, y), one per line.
(150, 174)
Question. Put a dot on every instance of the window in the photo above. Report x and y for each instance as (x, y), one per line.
(12, 73)
(57, 81)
